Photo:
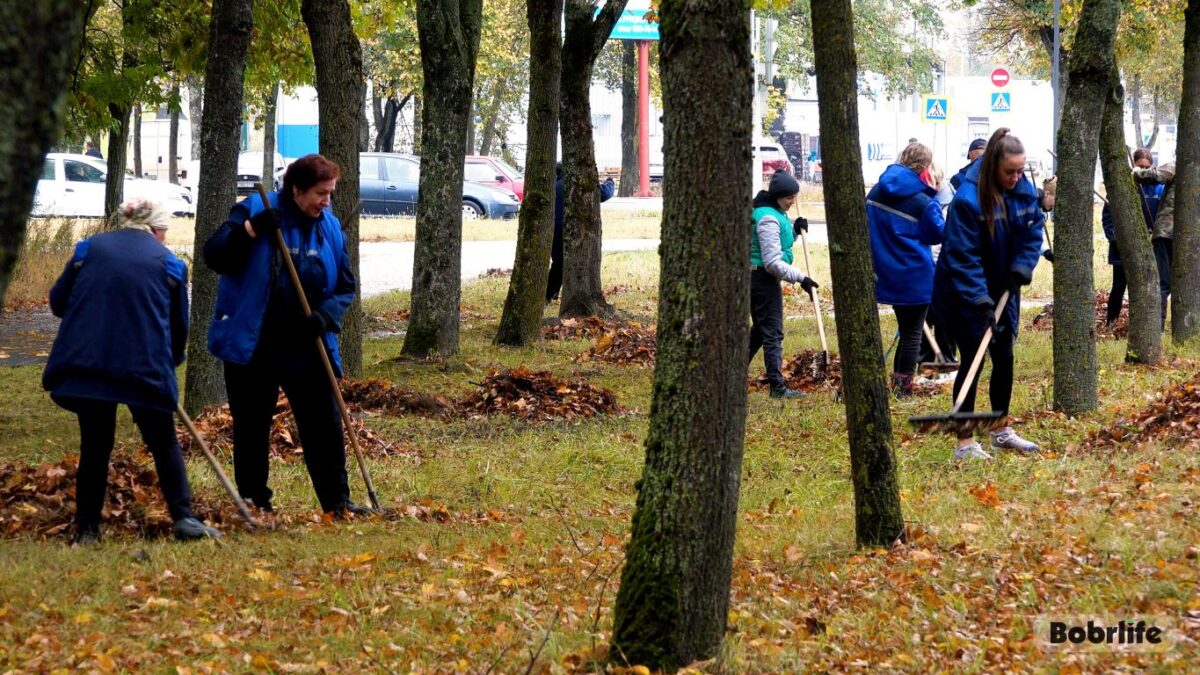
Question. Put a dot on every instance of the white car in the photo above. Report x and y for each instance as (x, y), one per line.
(249, 172)
(73, 185)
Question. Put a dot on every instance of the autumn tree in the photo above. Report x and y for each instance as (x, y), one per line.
(586, 33)
(388, 30)
(340, 91)
(1185, 268)
(501, 72)
(449, 37)
(38, 43)
(1133, 240)
(877, 516)
(673, 601)
(1092, 61)
(521, 320)
(229, 43)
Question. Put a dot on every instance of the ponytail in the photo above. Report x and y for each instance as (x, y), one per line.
(1001, 145)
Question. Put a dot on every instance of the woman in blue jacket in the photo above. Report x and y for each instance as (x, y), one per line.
(1151, 195)
(124, 309)
(905, 220)
(261, 333)
(993, 242)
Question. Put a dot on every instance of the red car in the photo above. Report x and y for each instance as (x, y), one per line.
(494, 171)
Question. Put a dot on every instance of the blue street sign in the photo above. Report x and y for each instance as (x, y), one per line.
(1001, 102)
(936, 108)
(632, 25)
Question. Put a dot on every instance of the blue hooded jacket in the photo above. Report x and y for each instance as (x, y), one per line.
(249, 277)
(124, 308)
(905, 220)
(1151, 196)
(973, 266)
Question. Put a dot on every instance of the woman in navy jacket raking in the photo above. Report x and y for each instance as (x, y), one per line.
(905, 220)
(260, 331)
(993, 242)
(124, 308)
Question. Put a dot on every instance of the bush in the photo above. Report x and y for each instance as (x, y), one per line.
(48, 245)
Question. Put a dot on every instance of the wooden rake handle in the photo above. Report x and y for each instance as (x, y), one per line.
(975, 363)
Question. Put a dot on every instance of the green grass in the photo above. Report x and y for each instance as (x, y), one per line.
(1072, 533)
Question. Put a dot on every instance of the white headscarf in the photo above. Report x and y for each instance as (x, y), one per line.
(144, 214)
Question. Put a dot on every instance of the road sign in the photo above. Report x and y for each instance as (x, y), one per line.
(1000, 77)
(632, 25)
(1001, 102)
(936, 108)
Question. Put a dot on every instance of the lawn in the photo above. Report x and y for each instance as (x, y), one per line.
(507, 556)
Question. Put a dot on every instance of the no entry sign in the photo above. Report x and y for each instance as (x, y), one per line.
(1000, 77)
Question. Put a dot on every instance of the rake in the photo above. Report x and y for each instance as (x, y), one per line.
(955, 422)
(820, 365)
(939, 363)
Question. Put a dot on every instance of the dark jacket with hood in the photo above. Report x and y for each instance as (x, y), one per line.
(904, 221)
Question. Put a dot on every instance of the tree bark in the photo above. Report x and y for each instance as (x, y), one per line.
(220, 142)
(1185, 268)
(450, 29)
(520, 322)
(341, 91)
(118, 159)
(673, 601)
(364, 124)
(582, 294)
(470, 147)
(1155, 114)
(38, 42)
(1133, 238)
(1135, 101)
(195, 87)
(630, 169)
(173, 137)
(1092, 60)
(137, 141)
(877, 515)
(418, 117)
(493, 116)
(269, 106)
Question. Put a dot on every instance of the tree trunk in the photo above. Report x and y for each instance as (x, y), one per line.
(137, 141)
(1135, 100)
(418, 121)
(470, 148)
(877, 515)
(173, 137)
(630, 169)
(392, 119)
(377, 115)
(118, 154)
(1075, 362)
(582, 294)
(269, 108)
(520, 323)
(220, 143)
(1155, 114)
(195, 87)
(1133, 238)
(341, 91)
(38, 41)
(673, 602)
(1185, 270)
(364, 124)
(493, 116)
(449, 29)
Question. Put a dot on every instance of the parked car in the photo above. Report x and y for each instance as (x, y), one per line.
(249, 171)
(774, 157)
(388, 185)
(495, 171)
(73, 185)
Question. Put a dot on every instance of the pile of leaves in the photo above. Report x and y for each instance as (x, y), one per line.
(628, 344)
(1044, 320)
(376, 394)
(798, 373)
(1173, 417)
(577, 329)
(215, 424)
(40, 500)
(537, 397)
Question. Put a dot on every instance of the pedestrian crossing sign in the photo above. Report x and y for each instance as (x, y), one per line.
(1001, 102)
(936, 108)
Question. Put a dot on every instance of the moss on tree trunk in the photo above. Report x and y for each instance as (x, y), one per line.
(1185, 269)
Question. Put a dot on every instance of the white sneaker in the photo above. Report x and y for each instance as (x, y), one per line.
(1007, 439)
(972, 451)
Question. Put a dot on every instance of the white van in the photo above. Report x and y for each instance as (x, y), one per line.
(73, 186)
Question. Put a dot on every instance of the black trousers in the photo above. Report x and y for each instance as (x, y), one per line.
(253, 391)
(1001, 383)
(554, 280)
(1164, 249)
(766, 324)
(97, 431)
(1116, 297)
(909, 319)
(941, 333)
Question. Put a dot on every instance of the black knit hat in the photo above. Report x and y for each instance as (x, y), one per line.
(782, 185)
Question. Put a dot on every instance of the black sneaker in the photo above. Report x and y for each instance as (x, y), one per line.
(187, 529)
(260, 503)
(349, 508)
(85, 536)
(786, 392)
